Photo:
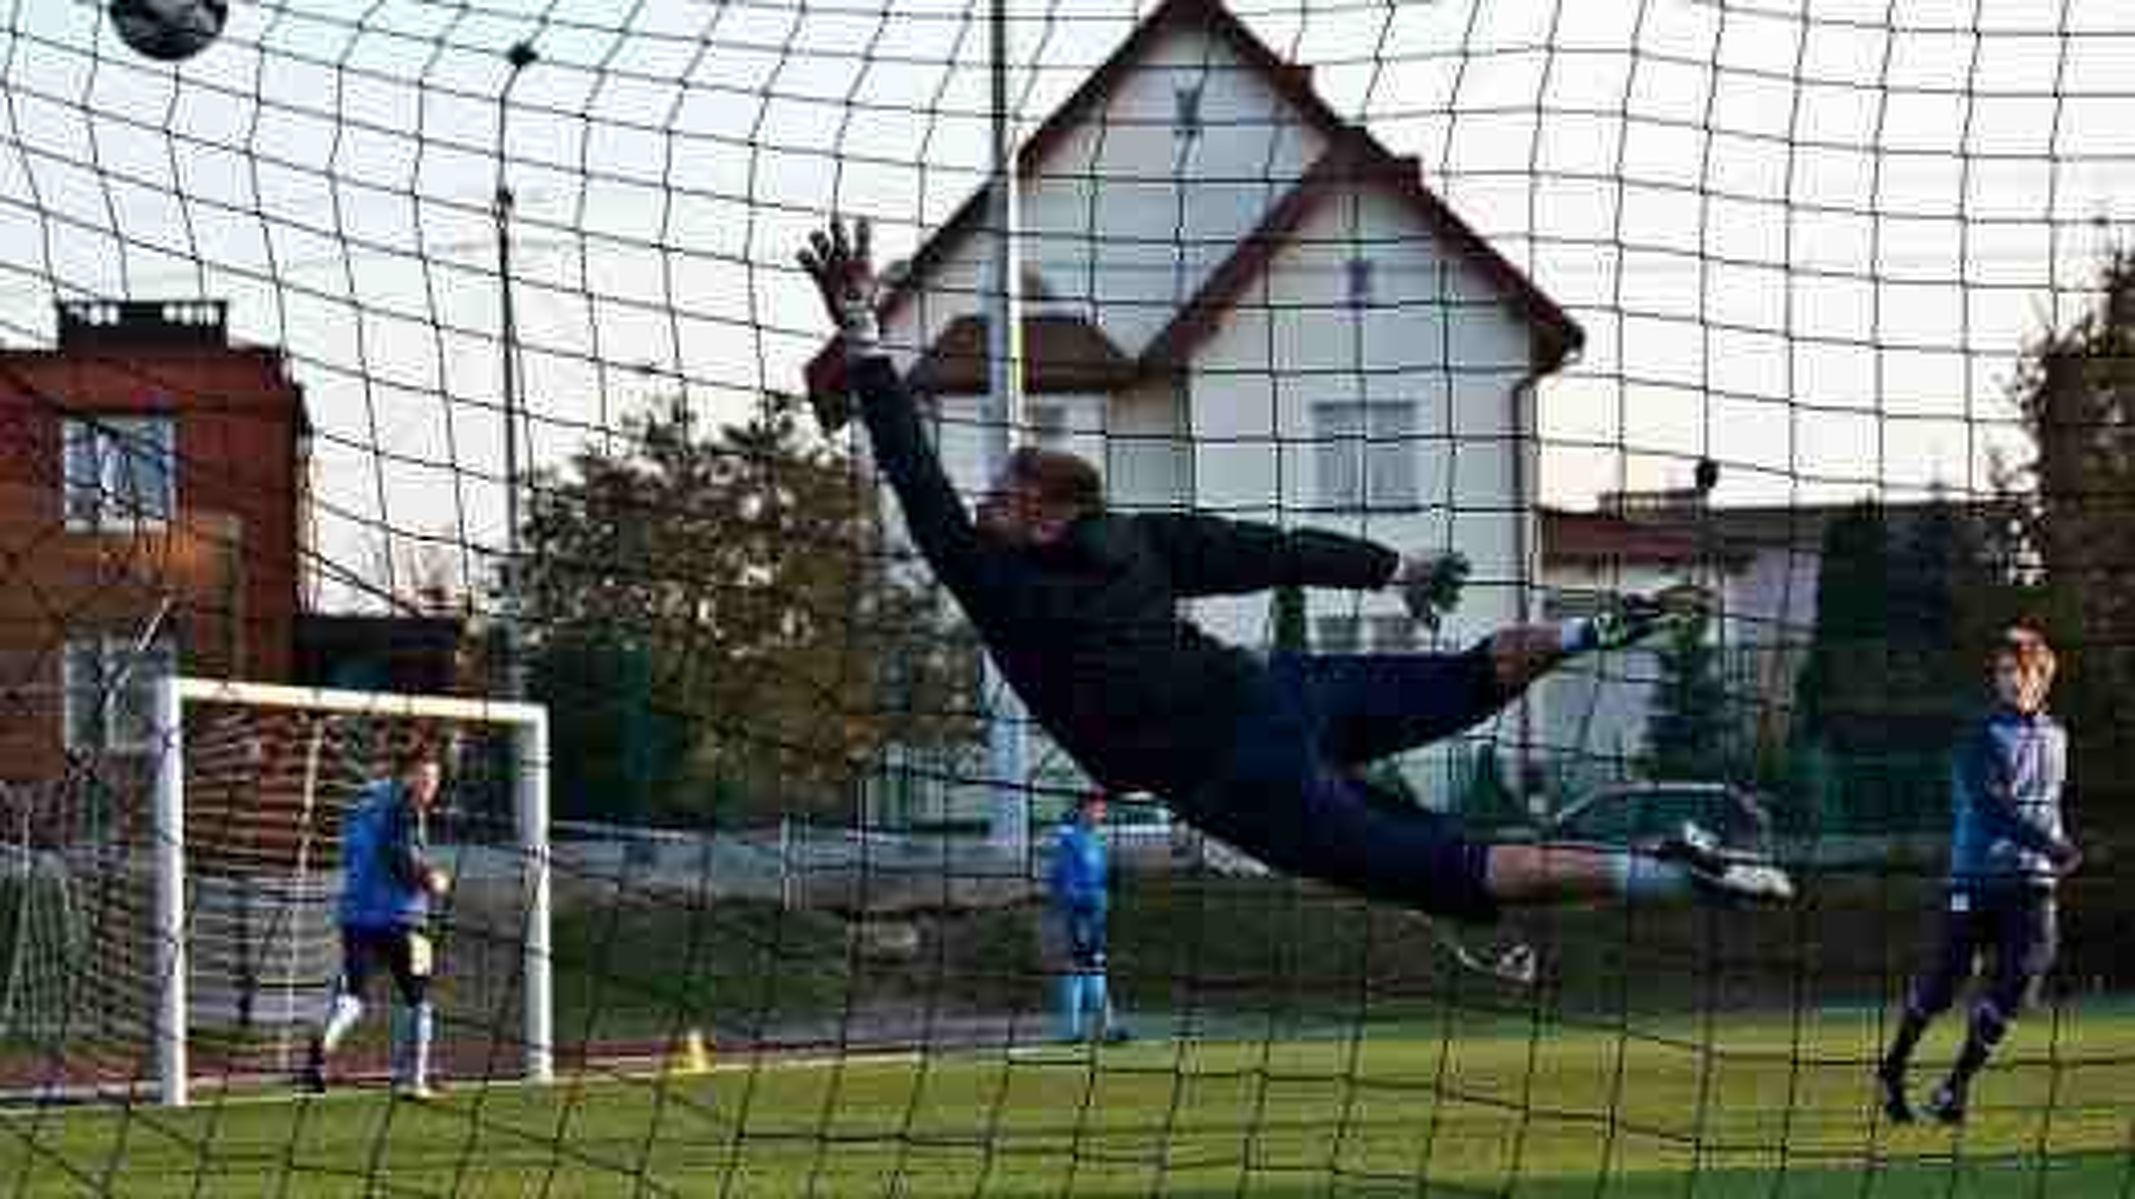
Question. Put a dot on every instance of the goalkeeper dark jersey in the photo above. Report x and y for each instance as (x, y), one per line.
(1088, 630)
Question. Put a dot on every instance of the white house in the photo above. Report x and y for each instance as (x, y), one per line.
(1236, 301)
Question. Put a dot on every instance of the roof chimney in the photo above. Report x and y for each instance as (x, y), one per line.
(110, 324)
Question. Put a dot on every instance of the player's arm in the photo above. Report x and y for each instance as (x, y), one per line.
(404, 855)
(842, 271)
(1210, 555)
(939, 523)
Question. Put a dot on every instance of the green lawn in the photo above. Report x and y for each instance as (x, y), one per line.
(1678, 1108)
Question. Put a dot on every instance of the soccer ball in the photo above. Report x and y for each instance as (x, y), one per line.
(168, 30)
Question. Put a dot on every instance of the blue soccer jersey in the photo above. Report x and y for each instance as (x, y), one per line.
(1079, 867)
(381, 862)
(2006, 799)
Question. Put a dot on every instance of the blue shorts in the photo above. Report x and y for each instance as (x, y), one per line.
(2019, 924)
(1086, 937)
(1290, 795)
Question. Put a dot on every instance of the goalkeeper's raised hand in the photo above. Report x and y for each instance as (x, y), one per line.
(843, 271)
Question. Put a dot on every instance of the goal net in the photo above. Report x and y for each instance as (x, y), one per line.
(412, 340)
(197, 939)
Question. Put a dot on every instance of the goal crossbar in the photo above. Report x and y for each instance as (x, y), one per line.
(530, 726)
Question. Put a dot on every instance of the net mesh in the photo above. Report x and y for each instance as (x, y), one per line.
(458, 347)
(267, 792)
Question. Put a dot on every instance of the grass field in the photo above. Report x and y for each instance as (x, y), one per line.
(1458, 1106)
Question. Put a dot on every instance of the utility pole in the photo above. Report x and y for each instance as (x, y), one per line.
(521, 56)
(1007, 741)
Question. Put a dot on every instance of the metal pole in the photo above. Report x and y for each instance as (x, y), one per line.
(533, 804)
(167, 853)
(1007, 739)
(520, 57)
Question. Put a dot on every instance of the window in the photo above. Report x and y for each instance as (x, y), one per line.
(1048, 425)
(1337, 635)
(1186, 110)
(119, 471)
(1393, 634)
(1365, 455)
(1360, 281)
(110, 706)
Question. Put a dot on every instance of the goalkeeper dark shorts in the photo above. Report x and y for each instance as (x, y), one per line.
(1292, 796)
(402, 952)
(2017, 926)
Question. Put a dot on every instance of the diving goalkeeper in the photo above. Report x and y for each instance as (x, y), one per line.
(387, 888)
(1080, 609)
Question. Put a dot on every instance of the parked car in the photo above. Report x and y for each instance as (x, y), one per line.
(1640, 813)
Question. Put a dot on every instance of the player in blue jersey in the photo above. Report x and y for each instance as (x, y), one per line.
(1081, 897)
(2009, 847)
(387, 887)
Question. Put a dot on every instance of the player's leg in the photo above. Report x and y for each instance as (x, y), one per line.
(1370, 706)
(1689, 865)
(1364, 707)
(1930, 995)
(1107, 1022)
(1073, 989)
(2026, 937)
(411, 961)
(1283, 803)
(359, 959)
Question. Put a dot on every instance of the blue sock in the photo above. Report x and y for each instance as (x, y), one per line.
(1071, 1007)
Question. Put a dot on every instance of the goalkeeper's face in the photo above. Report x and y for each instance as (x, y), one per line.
(422, 782)
(1014, 513)
(2023, 672)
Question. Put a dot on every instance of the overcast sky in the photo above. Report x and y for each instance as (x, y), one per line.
(1806, 238)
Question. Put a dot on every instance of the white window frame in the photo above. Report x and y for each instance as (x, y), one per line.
(1048, 424)
(96, 491)
(128, 715)
(1341, 634)
(1364, 456)
(1393, 634)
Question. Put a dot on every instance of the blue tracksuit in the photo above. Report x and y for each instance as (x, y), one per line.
(1080, 866)
(382, 862)
(2006, 778)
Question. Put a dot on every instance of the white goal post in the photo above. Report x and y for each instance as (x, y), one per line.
(528, 725)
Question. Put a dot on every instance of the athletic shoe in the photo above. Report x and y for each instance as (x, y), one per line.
(416, 1092)
(1891, 1086)
(1720, 875)
(1947, 1105)
(1625, 620)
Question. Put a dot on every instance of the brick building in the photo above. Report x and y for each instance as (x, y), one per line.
(146, 464)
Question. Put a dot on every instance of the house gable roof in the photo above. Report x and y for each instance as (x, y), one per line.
(1358, 158)
(1353, 154)
(1062, 353)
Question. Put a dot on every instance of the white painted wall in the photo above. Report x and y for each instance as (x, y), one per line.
(1436, 336)
(1125, 219)
(1130, 215)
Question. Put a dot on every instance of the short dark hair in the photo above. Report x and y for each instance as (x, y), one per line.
(2023, 639)
(416, 751)
(1063, 481)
